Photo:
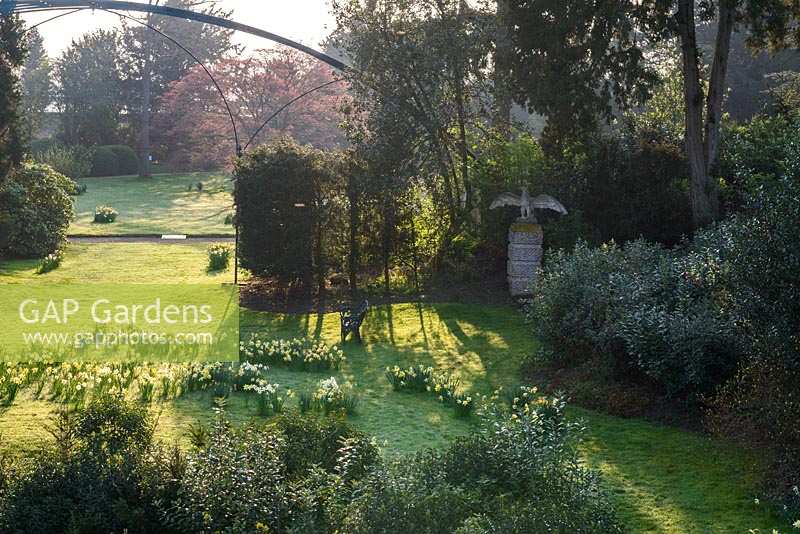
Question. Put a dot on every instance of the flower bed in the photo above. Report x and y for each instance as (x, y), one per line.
(302, 354)
(444, 387)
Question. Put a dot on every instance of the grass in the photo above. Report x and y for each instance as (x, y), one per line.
(664, 479)
(122, 263)
(158, 205)
(661, 479)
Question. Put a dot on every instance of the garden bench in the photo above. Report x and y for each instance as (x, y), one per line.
(352, 318)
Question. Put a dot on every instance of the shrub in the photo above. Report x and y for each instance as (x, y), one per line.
(50, 262)
(235, 483)
(73, 162)
(36, 209)
(317, 442)
(104, 162)
(299, 353)
(637, 189)
(219, 257)
(758, 152)
(275, 200)
(520, 473)
(650, 313)
(127, 161)
(761, 252)
(571, 307)
(671, 323)
(760, 408)
(102, 474)
(105, 215)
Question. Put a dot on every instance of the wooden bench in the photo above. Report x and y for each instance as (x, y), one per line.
(351, 319)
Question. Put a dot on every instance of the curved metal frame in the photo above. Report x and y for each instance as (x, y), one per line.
(27, 6)
(113, 6)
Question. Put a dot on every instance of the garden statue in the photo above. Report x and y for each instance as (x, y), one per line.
(525, 238)
(528, 204)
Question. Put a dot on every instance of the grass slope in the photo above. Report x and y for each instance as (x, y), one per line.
(157, 205)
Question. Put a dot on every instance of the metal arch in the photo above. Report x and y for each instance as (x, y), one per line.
(112, 6)
(27, 6)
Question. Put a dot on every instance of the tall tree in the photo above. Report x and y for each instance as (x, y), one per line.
(90, 90)
(574, 59)
(193, 125)
(417, 83)
(771, 23)
(12, 55)
(37, 85)
(503, 58)
(154, 62)
(147, 81)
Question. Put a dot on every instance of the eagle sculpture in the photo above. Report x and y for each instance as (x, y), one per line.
(527, 204)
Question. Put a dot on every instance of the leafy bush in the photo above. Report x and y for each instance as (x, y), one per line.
(757, 152)
(127, 161)
(114, 160)
(232, 485)
(572, 306)
(73, 162)
(276, 209)
(105, 215)
(219, 256)
(759, 407)
(637, 189)
(50, 262)
(102, 474)
(761, 253)
(104, 162)
(36, 210)
(652, 314)
(299, 353)
(520, 473)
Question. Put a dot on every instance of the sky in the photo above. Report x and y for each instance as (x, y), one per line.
(305, 21)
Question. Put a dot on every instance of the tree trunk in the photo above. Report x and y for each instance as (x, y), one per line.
(502, 70)
(463, 152)
(144, 136)
(387, 246)
(701, 190)
(716, 93)
(319, 259)
(353, 257)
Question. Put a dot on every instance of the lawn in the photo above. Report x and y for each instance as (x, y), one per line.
(123, 263)
(158, 205)
(661, 479)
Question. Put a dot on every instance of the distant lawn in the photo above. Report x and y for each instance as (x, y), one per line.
(158, 205)
(124, 263)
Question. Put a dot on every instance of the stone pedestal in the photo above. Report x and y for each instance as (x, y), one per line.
(524, 256)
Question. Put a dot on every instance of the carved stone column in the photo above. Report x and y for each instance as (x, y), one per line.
(524, 257)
